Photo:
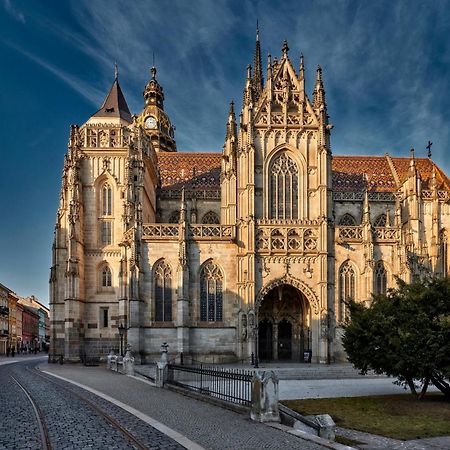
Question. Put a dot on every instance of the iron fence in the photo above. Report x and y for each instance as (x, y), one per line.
(230, 385)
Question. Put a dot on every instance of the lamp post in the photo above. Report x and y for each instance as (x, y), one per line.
(121, 333)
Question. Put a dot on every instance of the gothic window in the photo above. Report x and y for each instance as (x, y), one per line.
(283, 188)
(106, 233)
(347, 220)
(347, 287)
(210, 217)
(106, 277)
(380, 278)
(443, 250)
(211, 300)
(174, 217)
(106, 200)
(380, 221)
(163, 292)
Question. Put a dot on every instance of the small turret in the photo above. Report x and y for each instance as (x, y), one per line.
(153, 92)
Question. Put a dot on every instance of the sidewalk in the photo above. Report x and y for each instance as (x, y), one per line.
(23, 357)
(205, 424)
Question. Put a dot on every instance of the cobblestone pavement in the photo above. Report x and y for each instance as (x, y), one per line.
(71, 423)
(208, 425)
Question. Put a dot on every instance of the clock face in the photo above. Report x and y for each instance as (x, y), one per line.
(150, 123)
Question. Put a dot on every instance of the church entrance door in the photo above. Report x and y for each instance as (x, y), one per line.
(284, 340)
(265, 340)
(283, 325)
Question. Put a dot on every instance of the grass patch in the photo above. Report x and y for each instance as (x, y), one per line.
(396, 416)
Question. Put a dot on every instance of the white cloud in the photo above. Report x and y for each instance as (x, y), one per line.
(86, 90)
(13, 11)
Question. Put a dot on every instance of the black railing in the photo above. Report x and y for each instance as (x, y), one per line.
(230, 385)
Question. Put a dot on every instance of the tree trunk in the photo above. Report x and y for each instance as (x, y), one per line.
(441, 384)
(424, 388)
(412, 388)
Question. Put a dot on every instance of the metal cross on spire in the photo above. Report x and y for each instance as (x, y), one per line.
(429, 148)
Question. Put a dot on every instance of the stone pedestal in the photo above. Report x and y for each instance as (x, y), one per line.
(265, 397)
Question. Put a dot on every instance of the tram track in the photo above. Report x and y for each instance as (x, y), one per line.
(107, 417)
(45, 438)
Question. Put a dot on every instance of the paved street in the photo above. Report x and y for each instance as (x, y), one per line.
(73, 424)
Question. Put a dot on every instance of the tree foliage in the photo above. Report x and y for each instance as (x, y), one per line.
(405, 334)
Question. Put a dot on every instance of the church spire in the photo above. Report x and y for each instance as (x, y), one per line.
(153, 92)
(258, 81)
(114, 104)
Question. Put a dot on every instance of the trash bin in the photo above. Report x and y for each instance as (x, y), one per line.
(307, 355)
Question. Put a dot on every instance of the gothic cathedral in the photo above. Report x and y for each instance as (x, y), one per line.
(252, 250)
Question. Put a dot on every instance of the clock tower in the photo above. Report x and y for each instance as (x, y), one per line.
(153, 118)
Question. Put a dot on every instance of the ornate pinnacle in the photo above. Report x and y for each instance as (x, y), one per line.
(285, 48)
(153, 71)
(257, 80)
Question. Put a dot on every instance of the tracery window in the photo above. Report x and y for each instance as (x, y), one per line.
(174, 217)
(163, 292)
(210, 217)
(380, 221)
(380, 278)
(283, 188)
(347, 287)
(211, 295)
(347, 220)
(106, 277)
(106, 232)
(106, 200)
(443, 251)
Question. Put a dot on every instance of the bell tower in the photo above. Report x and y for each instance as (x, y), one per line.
(153, 118)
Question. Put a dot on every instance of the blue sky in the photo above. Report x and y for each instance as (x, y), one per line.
(386, 71)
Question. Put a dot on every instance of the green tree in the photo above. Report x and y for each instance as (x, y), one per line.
(405, 334)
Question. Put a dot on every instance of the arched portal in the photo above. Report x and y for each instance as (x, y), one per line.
(284, 325)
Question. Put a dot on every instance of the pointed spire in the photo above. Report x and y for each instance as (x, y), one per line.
(366, 208)
(319, 91)
(258, 81)
(115, 104)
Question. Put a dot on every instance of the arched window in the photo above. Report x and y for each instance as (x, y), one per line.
(380, 278)
(347, 220)
(174, 217)
(163, 292)
(283, 188)
(380, 221)
(106, 200)
(211, 301)
(210, 217)
(347, 287)
(106, 277)
(443, 250)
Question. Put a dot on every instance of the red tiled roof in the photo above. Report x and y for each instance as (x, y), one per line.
(350, 173)
(189, 170)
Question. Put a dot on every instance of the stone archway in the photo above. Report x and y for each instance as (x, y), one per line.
(284, 318)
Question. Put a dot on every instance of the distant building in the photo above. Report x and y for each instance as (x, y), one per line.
(30, 327)
(43, 323)
(4, 319)
(251, 250)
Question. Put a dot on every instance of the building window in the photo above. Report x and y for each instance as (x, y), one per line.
(106, 200)
(380, 221)
(210, 217)
(443, 250)
(106, 232)
(211, 300)
(347, 288)
(104, 317)
(380, 278)
(163, 292)
(347, 220)
(174, 217)
(106, 277)
(283, 188)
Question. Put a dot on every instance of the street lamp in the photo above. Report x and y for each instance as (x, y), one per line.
(121, 333)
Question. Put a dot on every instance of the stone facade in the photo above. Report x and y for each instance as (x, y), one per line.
(251, 250)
